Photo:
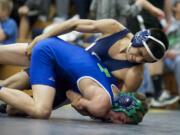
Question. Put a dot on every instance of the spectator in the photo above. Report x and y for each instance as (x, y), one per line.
(171, 61)
(61, 9)
(14, 13)
(29, 13)
(82, 7)
(121, 9)
(8, 27)
(148, 21)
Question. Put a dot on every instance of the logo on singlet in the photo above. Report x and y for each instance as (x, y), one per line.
(105, 70)
(52, 79)
(95, 54)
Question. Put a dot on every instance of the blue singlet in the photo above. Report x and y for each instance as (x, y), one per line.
(61, 65)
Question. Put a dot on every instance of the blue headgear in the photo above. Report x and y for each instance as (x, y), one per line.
(128, 103)
(141, 38)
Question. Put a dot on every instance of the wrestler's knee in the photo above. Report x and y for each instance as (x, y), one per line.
(42, 112)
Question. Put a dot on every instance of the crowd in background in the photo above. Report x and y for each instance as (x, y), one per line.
(18, 18)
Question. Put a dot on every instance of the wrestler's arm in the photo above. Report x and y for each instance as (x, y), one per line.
(87, 26)
(168, 14)
(97, 106)
(3, 35)
(133, 79)
(105, 26)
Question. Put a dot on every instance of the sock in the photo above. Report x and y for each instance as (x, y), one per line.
(157, 82)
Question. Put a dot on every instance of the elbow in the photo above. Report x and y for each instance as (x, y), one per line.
(100, 110)
(74, 23)
(113, 22)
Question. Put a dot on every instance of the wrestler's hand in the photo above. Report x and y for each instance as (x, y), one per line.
(74, 99)
(33, 43)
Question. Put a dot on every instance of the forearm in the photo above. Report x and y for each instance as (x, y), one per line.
(136, 7)
(17, 99)
(131, 87)
(93, 108)
(146, 5)
(2, 34)
(167, 10)
(60, 29)
(106, 26)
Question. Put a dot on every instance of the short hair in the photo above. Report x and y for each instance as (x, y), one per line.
(6, 5)
(157, 49)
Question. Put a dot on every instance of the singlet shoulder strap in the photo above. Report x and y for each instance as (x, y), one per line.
(107, 42)
(114, 37)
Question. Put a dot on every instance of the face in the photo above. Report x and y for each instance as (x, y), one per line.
(2, 13)
(116, 117)
(139, 55)
(119, 118)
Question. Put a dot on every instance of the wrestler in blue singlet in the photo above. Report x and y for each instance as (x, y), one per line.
(61, 65)
(101, 47)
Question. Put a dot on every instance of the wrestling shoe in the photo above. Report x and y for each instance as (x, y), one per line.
(164, 100)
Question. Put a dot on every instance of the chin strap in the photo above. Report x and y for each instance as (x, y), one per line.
(128, 103)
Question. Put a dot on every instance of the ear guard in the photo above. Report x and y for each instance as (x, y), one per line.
(128, 103)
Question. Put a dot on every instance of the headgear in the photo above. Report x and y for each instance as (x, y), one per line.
(128, 103)
(141, 38)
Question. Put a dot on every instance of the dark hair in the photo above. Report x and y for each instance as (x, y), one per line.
(157, 50)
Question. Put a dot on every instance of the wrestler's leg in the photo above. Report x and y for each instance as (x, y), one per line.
(19, 81)
(14, 54)
(39, 106)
